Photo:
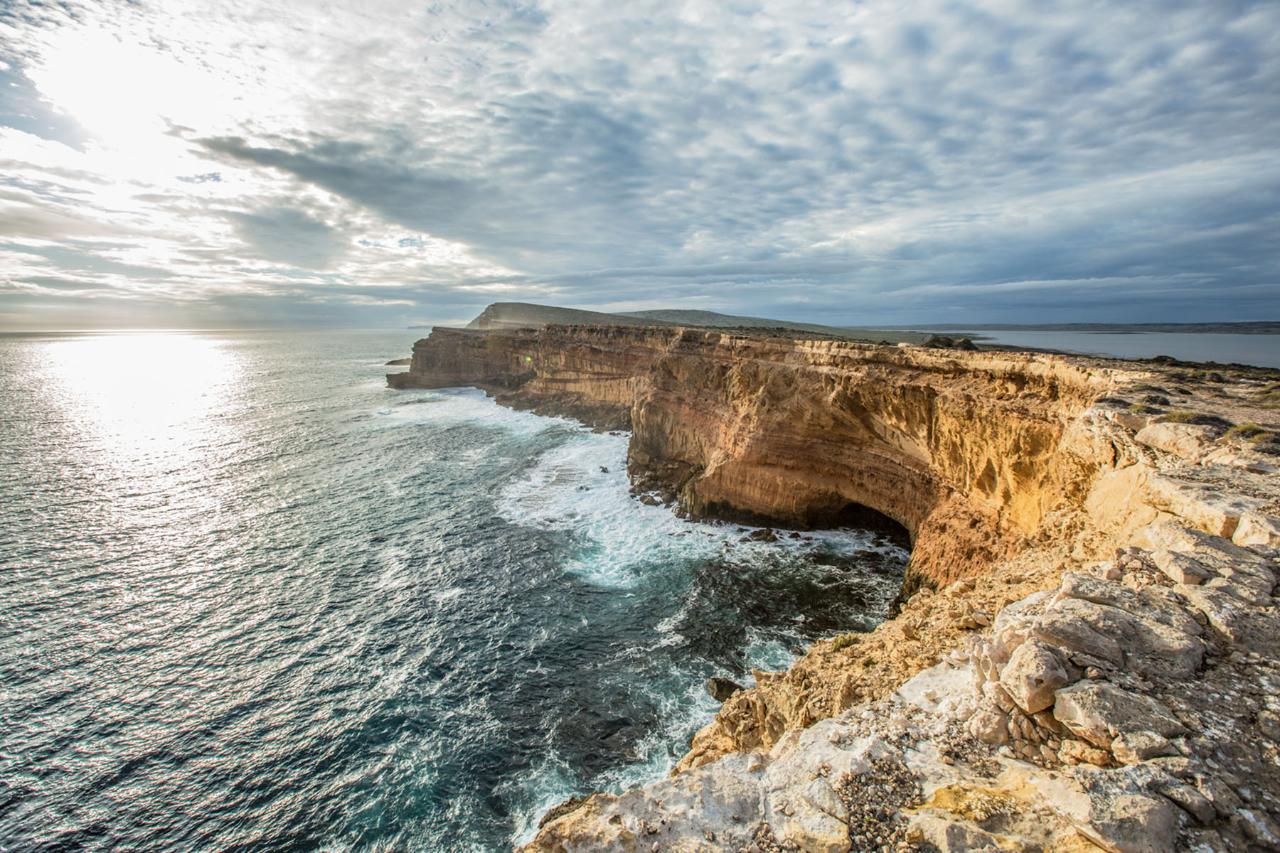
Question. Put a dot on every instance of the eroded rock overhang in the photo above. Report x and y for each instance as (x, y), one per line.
(967, 451)
(1093, 655)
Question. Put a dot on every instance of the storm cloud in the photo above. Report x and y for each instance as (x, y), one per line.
(861, 162)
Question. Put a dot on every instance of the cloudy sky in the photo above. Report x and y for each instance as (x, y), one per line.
(202, 164)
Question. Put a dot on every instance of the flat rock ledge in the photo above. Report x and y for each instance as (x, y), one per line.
(1131, 705)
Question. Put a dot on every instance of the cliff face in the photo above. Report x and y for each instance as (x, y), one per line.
(964, 450)
(1088, 655)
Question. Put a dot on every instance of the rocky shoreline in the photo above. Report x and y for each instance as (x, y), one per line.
(1088, 653)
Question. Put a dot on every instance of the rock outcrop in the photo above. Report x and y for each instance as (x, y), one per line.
(1088, 651)
(964, 450)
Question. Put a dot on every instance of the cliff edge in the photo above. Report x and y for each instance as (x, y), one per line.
(1088, 652)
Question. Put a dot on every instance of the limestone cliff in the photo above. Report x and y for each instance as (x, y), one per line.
(961, 449)
(1090, 613)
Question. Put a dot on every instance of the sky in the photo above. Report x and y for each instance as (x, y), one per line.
(186, 164)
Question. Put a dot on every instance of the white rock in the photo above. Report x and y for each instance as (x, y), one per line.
(1200, 506)
(1097, 711)
(1033, 675)
(1256, 528)
(939, 689)
(1132, 747)
(1181, 567)
(1188, 441)
(990, 725)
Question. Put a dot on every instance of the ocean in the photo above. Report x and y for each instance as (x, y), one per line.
(1222, 347)
(252, 598)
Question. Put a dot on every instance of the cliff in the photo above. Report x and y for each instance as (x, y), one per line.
(1069, 533)
(963, 450)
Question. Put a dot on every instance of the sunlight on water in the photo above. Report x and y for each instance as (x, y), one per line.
(253, 599)
(146, 400)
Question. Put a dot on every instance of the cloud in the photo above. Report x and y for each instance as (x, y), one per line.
(848, 162)
(289, 236)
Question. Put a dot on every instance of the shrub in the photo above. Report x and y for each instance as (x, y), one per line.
(1196, 418)
(1249, 432)
(844, 641)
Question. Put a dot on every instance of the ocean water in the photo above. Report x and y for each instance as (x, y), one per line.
(1224, 348)
(251, 598)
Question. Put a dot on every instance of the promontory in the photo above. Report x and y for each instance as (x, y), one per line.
(1087, 650)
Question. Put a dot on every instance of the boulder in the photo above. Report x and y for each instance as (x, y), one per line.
(990, 725)
(1097, 712)
(1188, 441)
(1158, 640)
(1181, 567)
(1201, 506)
(1241, 621)
(722, 688)
(1190, 800)
(1081, 627)
(1033, 675)
(1132, 823)
(1132, 747)
(1256, 528)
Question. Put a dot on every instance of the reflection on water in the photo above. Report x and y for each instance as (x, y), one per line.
(144, 399)
(252, 599)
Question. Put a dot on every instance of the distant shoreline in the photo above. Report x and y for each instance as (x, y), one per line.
(1265, 327)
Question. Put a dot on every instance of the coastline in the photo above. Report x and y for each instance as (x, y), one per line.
(1067, 531)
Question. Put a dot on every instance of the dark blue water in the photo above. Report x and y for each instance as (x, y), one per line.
(249, 597)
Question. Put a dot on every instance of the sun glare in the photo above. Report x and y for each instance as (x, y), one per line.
(145, 398)
(130, 96)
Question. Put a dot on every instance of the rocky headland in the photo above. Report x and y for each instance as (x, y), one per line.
(1087, 653)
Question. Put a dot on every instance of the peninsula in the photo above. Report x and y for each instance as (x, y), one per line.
(1087, 652)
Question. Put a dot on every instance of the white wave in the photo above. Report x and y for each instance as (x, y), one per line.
(766, 653)
(581, 487)
(544, 787)
(444, 596)
(452, 406)
(684, 706)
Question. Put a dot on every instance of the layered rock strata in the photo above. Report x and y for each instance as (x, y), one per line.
(964, 450)
(1088, 656)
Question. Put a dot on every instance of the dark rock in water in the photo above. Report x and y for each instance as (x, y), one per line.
(795, 534)
(722, 688)
(764, 534)
(650, 500)
(617, 729)
(570, 805)
(604, 469)
(400, 362)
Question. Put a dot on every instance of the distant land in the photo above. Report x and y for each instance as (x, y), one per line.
(521, 315)
(1263, 327)
(510, 315)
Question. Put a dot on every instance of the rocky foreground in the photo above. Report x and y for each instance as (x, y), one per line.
(1088, 652)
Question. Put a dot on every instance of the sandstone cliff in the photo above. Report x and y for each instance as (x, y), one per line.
(1073, 558)
(963, 450)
